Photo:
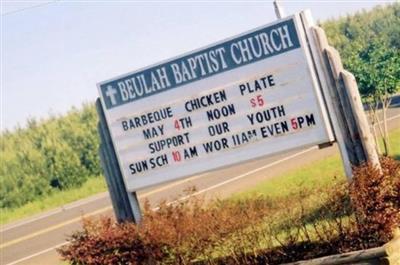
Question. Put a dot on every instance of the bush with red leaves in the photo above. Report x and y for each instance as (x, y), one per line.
(375, 198)
(259, 230)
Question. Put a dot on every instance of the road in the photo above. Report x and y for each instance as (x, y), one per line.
(34, 240)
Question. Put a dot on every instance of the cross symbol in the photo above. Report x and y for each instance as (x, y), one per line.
(111, 94)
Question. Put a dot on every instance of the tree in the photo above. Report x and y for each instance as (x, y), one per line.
(377, 70)
(369, 45)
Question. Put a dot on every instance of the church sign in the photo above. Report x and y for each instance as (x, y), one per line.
(243, 98)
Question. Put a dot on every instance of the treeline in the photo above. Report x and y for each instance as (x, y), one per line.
(50, 155)
(62, 152)
(369, 45)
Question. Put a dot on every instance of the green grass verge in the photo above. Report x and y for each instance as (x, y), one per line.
(394, 144)
(315, 174)
(54, 200)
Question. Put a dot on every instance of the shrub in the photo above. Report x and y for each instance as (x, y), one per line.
(376, 200)
(46, 156)
(258, 230)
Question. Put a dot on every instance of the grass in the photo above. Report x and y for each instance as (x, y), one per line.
(316, 174)
(394, 143)
(54, 200)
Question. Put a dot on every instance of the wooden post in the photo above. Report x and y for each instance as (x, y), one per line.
(361, 257)
(343, 101)
(109, 180)
(279, 12)
(353, 144)
(318, 43)
(125, 203)
(365, 136)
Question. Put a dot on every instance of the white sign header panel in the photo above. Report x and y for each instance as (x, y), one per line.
(240, 99)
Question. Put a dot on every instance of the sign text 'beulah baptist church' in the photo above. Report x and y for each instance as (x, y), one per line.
(230, 55)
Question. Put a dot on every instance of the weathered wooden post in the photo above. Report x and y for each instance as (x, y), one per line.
(125, 203)
(280, 13)
(386, 254)
(364, 134)
(350, 128)
(348, 119)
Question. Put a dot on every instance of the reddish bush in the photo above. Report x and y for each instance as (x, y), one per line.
(375, 198)
(172, 234)
(257, 230)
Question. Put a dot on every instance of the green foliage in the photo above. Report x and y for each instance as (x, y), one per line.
(377, 68)
(56, 154)
(369, 44)
(54, 200)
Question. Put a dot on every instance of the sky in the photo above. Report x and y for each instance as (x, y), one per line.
(53, 53)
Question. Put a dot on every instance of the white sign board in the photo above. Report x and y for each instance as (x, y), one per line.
(252, 95)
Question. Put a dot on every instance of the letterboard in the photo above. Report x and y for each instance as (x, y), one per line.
(250, 96)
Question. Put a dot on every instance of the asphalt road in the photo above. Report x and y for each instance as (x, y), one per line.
(34, 240)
